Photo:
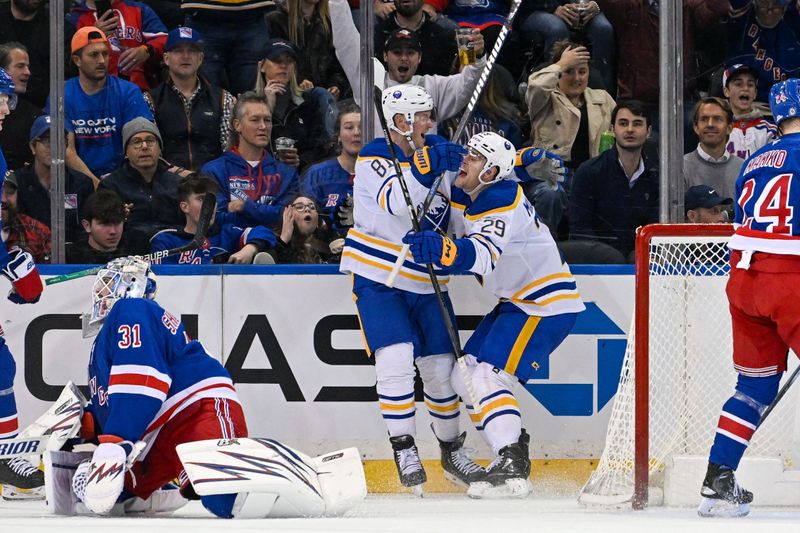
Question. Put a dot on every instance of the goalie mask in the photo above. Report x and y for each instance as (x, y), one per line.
(126, 277)
(498, 151)
(406, 100)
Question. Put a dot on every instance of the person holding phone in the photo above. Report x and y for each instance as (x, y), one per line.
(137, 51)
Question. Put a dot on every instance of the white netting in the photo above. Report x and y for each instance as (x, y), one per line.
(691, 371)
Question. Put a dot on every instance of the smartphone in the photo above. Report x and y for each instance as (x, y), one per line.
(102, 6)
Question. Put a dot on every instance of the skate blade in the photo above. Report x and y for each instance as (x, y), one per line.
(11, 493)
(455, 480)
(417, 491)
(512, 488)
(710, 507)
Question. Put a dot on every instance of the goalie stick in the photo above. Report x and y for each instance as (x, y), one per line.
(452, 332)
(462, 124)
(203, 223)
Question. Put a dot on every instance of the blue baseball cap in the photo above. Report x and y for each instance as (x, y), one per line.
(40, 126)
(276, 47)
(183, 35)
(703, 196)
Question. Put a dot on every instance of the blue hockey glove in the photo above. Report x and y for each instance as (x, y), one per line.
(429, 161)
(539, 164)
(430, 247)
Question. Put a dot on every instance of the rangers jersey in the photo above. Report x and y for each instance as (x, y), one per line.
(767, 193)
(515, 256)
(750, 134)
(381, 219)
(144, 370)
(221, 241)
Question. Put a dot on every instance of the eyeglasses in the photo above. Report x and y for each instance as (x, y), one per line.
(137, 143)
(304, 207)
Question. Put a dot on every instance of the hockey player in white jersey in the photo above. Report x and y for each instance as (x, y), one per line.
(403, 325)
(503, 241)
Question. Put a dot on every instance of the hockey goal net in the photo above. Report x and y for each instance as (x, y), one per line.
(677, 371)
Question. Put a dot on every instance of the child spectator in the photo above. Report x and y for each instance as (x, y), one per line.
(301, 239)
(752, 127)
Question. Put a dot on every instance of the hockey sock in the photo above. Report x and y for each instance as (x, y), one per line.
(440, 398)
(394, 367)
(740, 416)
(9, 422)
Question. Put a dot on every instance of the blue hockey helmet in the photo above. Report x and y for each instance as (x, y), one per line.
(784, 100)
(7, 88)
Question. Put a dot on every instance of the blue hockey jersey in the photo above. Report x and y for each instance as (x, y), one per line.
(144, 370)
(328, 184)
(3, 170)
(767, 193)
(220, 240)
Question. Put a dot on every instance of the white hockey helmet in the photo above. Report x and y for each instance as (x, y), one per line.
(406, 100)
(498, 151)
(125, 277)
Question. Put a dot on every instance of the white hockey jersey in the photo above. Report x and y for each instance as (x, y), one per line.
(381, 219)
(516, 258)
(749, 134)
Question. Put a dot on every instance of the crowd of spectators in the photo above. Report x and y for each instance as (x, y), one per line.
(257, 102)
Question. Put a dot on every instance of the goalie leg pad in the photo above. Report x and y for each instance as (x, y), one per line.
(62, 421)
(59, 469)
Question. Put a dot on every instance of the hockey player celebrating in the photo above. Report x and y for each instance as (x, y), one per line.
(403, 326)
(502, 240)
(764, 261)
(19, 478)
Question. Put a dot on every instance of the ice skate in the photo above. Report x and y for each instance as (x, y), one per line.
(409, 466)
(507, 476)
(459, 468)
(21, 480)
(722, 496)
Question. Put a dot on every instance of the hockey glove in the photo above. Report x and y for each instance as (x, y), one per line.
(430, 247)
(539, 164)
(344, 213)
(105, 476)
(24, 276)
(429, 161)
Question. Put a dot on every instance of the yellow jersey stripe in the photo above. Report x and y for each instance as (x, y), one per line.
(375, 264)
(396, 406)
(521, 343)
(403, 164)
(442, 408)
(476, 216)
(457, 205)
(548, 301)
(500, 402)
(375, 240)
(541, 281)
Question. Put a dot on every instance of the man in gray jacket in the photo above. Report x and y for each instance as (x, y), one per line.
(450, 93)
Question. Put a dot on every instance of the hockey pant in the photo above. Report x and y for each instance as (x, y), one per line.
(9, 422)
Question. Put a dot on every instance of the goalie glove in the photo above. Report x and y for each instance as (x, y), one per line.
(431, 247)
(103, 479)
(24, 276)
(539, 164)
(430, 161)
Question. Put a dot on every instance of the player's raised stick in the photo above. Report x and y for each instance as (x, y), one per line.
(203, 223)
(452, 332)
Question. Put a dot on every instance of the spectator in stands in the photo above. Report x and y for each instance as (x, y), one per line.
(567, 117)
(306, 116)
(565, 17)
(148, 188)
(103, 219)
(193, 116)
(96, 106)
(330, 183)
(402, 55)
(33, 196)
(617, 191)
(438, 43)
(254, 187)
(636, 26)
(703, 205)
(235, 35)
(135, 34)
(710, 163)
(28, 22)
(307, 25)
(225, 243)
(13, 136)
(20, 230)
(301, 240)
(752, 125)
(168, 11)
(488, 16)
(766, 35)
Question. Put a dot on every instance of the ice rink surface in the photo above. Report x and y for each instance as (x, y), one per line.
(406, 514)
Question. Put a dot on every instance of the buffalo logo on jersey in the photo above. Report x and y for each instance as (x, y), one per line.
(438, 215)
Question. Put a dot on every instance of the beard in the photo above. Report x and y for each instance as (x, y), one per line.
(409, 9)
(28, 7)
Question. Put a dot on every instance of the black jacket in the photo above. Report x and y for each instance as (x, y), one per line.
(604, 207)
(305, 124)
(155, 204)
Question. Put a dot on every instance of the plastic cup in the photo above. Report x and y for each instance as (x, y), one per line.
(466, 48)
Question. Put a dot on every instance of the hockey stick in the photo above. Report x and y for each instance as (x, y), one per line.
(203, 223)
(452, 332)
(462, 124)
(781, 394)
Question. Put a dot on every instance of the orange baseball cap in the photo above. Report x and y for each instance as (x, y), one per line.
(86, 36)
